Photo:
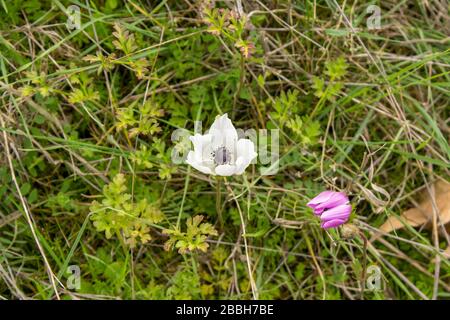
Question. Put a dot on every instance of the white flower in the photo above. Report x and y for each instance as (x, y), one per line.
(219, 151)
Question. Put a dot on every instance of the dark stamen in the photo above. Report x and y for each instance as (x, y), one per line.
(222, 156)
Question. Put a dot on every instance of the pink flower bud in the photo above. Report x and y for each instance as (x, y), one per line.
(332, 207)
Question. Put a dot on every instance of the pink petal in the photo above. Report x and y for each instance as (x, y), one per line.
(332, 224)
(326, 200)
(318, 212)
(339, 212)
(321, 197)
(336, 199)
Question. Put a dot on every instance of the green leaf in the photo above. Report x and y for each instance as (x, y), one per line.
(337, 32)
(336, 69)
(25, 188)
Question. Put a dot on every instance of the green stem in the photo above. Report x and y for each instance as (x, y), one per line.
(122, 242)
(219, 200)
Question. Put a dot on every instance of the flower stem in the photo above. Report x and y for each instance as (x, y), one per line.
(219, 200)
(244, 236)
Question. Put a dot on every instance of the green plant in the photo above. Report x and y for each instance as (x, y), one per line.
(193, 239)
(287, 112)
(231, 25)
(141, 119)
(118, 214)
(335, 70)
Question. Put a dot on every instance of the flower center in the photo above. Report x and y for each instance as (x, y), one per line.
(222, 156)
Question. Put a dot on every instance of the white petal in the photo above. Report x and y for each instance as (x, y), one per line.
(241, 165)
(202, 146)
(222, 123)
(245, 149)
(223, 133)
(225, 170)
(200, 166)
